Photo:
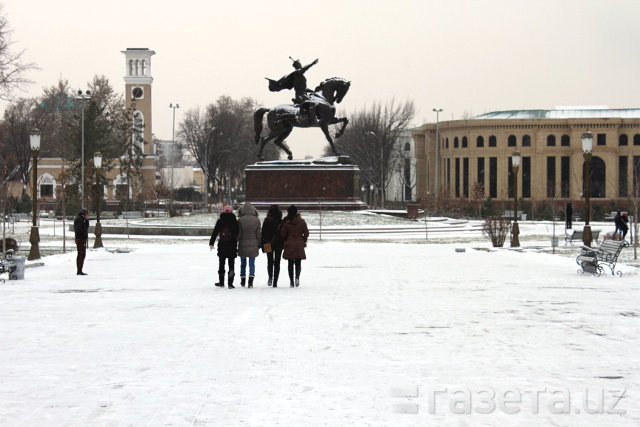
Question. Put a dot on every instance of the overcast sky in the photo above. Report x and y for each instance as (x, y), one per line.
(464, 56)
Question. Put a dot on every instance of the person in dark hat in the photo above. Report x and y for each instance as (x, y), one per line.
(81, 229)
(294, 232)
(226, 231)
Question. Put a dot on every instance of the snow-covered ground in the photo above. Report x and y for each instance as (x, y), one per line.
(395, 331)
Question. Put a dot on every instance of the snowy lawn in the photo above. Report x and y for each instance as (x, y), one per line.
(381, 334)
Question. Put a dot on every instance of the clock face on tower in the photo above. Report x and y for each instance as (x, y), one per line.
(137, 92)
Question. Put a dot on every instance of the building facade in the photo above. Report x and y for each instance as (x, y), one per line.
(138, 90)
(472, 160)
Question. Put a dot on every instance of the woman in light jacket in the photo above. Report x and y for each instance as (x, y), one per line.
(249, 241)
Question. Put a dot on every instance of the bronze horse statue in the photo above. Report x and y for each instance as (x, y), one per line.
(316, 111)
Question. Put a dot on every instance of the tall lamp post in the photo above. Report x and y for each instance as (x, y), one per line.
(34, 238)
(437, 168)
(515, 230)
(173, 142)
(587, 147)
(82, 97)
(97, 163)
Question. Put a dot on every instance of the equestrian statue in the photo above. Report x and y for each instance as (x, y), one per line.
(309, 109)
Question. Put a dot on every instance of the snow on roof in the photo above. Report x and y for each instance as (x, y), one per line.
(564, 113)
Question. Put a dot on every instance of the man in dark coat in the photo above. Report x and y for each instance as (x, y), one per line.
(226, 231)
(621, 221)
(81, 230)
(271, 235)
(568, 215)
(294, 233)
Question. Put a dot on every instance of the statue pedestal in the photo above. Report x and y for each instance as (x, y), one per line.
(328, 183)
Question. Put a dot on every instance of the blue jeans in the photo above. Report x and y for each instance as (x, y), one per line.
(243, 266)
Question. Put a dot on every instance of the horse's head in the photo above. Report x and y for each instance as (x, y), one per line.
(334, 89)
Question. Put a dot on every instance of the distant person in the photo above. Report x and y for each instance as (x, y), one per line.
(226, 231)
(271, 237)
(568, 215)
(249, 241)
(294, 233)
(621, 220)
(81, 230)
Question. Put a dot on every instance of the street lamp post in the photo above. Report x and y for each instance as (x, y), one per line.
(587, 147)
(34, 238)
(515, 230)
(97, 163)
(437, 168)
(82, 97)
(173, 143)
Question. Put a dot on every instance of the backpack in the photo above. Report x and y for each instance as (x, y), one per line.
(225, 234)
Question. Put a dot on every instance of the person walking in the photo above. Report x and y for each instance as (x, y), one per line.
(271, 238)
(81, 230)
(568, 215)
(621, 221)
(226, 231)
(249, 241)
(294, 233)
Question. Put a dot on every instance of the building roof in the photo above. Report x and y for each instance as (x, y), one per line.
(564, 113)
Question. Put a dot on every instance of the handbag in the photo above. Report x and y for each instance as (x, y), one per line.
(266, 248)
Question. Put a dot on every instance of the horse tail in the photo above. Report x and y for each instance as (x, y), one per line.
(257, 122)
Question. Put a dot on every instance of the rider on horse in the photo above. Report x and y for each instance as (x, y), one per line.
(298, 82)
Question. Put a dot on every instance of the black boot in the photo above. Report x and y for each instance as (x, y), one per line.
(231, 276)
(220, 279)
(250, 282)
(276, 274)
(242, 281)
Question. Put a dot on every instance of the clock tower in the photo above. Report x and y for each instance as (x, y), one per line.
(137, 95)
(138, 82)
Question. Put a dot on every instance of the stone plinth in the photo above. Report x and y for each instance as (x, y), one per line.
(327, 183)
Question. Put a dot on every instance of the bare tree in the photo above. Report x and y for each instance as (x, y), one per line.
(371, 137)
(14, 134)
(12, 69)
(221, 138)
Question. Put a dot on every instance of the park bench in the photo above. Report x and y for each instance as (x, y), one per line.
(131, 214)
(593, 260)
(578, 235)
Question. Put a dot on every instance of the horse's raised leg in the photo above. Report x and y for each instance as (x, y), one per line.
(344, 122)
(325, 129)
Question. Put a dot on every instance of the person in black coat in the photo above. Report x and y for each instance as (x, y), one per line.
(81, 230)
(226, 231)
(271, 235)
(568, 215)
(621, 221)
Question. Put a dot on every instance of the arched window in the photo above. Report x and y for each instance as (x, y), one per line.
(464, 142)
(526, 141)
(479, 141)
(46, 186)
(131, 67)
(623, 139)
(446, 144)
(121, 186)
(511, 141)
(455, 142)
(407, 146)
(636, 139)
(493, 142)
(565, 141)
(551, 141)
(598, 177)
(144, 67)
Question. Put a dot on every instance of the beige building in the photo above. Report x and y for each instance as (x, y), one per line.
(473, 158)
(138, 90)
